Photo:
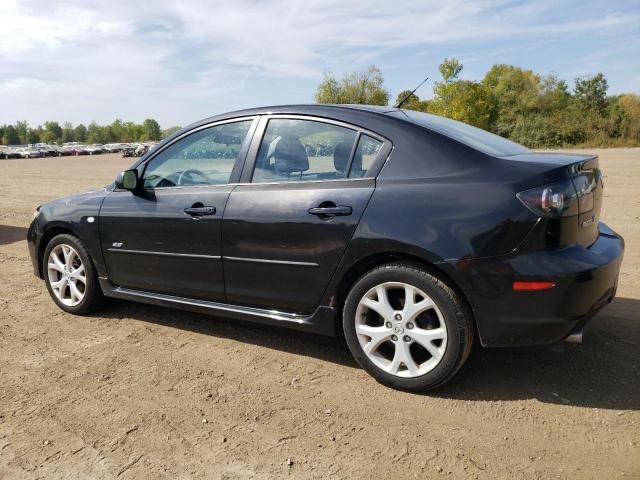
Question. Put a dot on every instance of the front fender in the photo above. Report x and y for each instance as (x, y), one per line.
(77, 215)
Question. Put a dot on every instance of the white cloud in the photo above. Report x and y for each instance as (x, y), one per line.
(180, 60)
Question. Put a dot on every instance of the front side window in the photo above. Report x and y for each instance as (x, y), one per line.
(295, 150)
(205, 157)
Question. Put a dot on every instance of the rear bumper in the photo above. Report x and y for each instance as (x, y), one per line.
(585, 280)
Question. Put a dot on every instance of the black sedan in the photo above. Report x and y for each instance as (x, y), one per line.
(410, 234)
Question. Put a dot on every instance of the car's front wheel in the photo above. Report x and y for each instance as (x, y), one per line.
(70, 275)
(406, 327)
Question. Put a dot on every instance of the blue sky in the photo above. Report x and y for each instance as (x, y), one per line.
(182, 60)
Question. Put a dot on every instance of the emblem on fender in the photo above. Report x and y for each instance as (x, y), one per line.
(586, 223)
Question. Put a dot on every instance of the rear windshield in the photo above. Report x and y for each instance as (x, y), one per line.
(472, 136)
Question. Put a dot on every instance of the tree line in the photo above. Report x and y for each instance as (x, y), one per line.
(519, 104)
(532, 109)
(118, 131)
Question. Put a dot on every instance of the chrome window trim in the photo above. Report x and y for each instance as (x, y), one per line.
(261, 128)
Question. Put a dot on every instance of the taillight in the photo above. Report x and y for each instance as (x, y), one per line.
(554, 200)
(585, 186)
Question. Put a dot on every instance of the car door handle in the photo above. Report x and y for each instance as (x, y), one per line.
(334, 211)
(200, 211)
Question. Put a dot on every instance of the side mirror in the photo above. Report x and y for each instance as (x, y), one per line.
(128, 180)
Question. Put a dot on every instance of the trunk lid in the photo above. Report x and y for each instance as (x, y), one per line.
(584, 173)
(587, 180)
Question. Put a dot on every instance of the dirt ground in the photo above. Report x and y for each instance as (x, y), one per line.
(145, 392)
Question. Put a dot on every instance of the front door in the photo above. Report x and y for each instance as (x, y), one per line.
(166, 238)
(287, 226)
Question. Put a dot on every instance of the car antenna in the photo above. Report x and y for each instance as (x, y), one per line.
(412, 92)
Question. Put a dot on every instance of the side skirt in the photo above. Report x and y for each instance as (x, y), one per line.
(322, 321)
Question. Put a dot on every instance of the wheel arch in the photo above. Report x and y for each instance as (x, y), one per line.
(365, 264)
(50, 233)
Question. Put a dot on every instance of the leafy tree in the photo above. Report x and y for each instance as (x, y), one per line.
(33, 136)
(11, 136)
(150, 130)
(52, 132)
(68, 134)
(80, 133)
(625, 116)
(170, 131)
(364, 87)
(513, 94)
(412, 99)
(22, 127)
(95, 133)
(450, 68)
(592, 92)
(461, 100)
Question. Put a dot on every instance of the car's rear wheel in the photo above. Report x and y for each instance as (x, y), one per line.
(70, 275)
(406, 327)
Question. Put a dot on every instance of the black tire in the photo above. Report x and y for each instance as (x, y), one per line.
(93, 298)
(456, 316)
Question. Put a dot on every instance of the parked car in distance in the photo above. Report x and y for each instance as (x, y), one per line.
(93, 149)
(48, 150)
(113, 147)
(29, 152)
(8, 152)
(408, 233)
(71, 150)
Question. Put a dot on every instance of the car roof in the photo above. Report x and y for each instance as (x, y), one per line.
(344, 112)
(303, 107)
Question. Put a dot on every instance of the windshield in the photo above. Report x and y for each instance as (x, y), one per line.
(472, 136)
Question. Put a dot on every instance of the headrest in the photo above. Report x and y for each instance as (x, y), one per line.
(290, 156)
(341, 155)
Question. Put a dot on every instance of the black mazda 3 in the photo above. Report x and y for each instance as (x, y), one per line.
(410, 234)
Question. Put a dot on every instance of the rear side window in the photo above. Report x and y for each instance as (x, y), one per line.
(365, 156)
(294, 150)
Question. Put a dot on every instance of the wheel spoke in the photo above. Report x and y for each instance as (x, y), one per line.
(76, 295)
(72, 257)
(66, 251)
(78, 274)
(382, 306)
(426, 337)
(57, 264)
(412, 309)
(59, 285)
(402, 356)
(378, 336)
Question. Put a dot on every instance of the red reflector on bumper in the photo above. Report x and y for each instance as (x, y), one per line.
(528, 286)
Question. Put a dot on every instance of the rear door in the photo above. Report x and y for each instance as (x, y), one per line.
(166, 238)
(304, 189)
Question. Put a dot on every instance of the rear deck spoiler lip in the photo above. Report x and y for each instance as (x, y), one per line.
(587, 161)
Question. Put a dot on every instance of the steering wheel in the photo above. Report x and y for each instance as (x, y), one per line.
(190, 172)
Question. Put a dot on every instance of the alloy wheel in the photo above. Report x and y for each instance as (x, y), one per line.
(66, 275)
(401, 329)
